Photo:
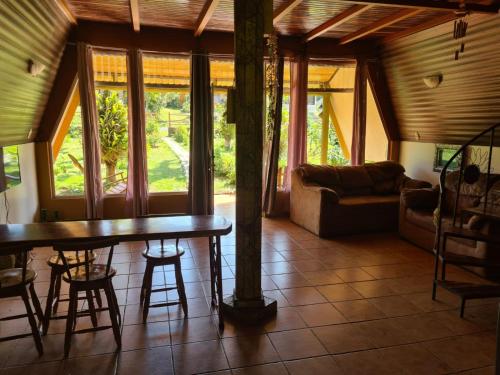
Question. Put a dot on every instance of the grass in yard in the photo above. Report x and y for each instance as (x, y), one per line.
(165, 172)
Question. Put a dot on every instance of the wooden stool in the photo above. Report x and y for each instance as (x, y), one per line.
(162, 256)
(87, 278)
(14, 282)
(57, 270)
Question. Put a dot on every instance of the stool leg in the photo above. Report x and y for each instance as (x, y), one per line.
(148, 275)
(98, 298)
(113, 314)
(115, 300)
(180, 286)
(144, 284)
(36, 303)
(32, 321)
(50, 300)
(90, 301)
(57, 292)
(70, 320)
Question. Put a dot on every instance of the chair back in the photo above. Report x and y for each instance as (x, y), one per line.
(162, 240)
(20, 252)
(87, 247)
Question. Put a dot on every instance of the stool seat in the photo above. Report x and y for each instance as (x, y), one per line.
(12, 277)
(157, 252)
(96, 272)
(73, 260)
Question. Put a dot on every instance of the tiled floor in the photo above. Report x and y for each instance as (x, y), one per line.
(354, 305)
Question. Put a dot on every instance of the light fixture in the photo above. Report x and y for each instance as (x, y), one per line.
(433, 81)
(35, 67)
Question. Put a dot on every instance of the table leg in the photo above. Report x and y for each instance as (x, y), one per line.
(218, 260)
(211, 255)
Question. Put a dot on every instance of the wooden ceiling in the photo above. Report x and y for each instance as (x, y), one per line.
(345, 20)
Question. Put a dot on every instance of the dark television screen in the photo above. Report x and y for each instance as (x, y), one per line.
(10, 173)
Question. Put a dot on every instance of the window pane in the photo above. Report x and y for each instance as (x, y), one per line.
(376, 139)
(67, 151)
(222, 77)
(329, 113)
(166, 98)
(110, 75)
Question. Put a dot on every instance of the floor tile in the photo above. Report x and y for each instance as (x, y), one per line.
(343, 338)
(338, 292)
(249, 350)
(317, 366)
(303, 296)
(358, 310)
(199, 357)
(296, 344)
(320, 315)
(269, 369)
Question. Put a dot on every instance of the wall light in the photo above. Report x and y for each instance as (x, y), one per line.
(433, 81)
(35, 67)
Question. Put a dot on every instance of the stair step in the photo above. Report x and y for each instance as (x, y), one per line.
(470, 290)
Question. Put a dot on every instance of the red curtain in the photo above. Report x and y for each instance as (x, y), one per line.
(200, 192)
(297, 129)
(137, 183)
(91, 146)
(359, 116)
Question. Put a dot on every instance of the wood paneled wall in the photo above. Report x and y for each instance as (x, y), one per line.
(468, 99)
(29, 30)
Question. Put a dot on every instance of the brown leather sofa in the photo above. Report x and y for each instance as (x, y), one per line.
(330, 201)
(417, 223)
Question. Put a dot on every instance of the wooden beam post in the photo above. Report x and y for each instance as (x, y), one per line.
(284, 9)
(63, 6)
(205, 15)
(134, 15)
(337, 128)
(338, 20)
(248, 302)
(67, 117)
(380, 24)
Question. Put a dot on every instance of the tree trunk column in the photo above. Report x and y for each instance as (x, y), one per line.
(248, 303)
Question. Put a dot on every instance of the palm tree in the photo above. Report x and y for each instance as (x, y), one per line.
(112, 129)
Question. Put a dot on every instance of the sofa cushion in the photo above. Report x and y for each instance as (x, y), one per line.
(420, 198)
(323, 175)
(421, 218)
(367, 200)
(353, 177)
(384, 170)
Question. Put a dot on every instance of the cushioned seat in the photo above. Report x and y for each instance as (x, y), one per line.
(368, 200)
(14, 276)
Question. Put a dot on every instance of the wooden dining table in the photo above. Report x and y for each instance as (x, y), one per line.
(137, 229)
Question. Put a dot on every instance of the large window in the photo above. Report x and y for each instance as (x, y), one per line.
(110, 75)
(67, 151)
(285, 121)
(329, 113)
(222, 77)
(166, 97)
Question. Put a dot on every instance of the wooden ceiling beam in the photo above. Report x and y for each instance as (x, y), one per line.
(284, 9)
(134, 15)
(430, 5)
(380, 24)
(64, 7)
(423, 26)
(205, 15)
(339, 19)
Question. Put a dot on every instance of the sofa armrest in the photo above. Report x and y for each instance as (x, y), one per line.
(420, 198)
(410, 183)
(310, 203)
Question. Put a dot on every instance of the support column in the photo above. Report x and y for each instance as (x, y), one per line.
(248, 303)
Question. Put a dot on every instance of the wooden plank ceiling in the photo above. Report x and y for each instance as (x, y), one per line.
(467, 100)
(346, 20)
(30, 30)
